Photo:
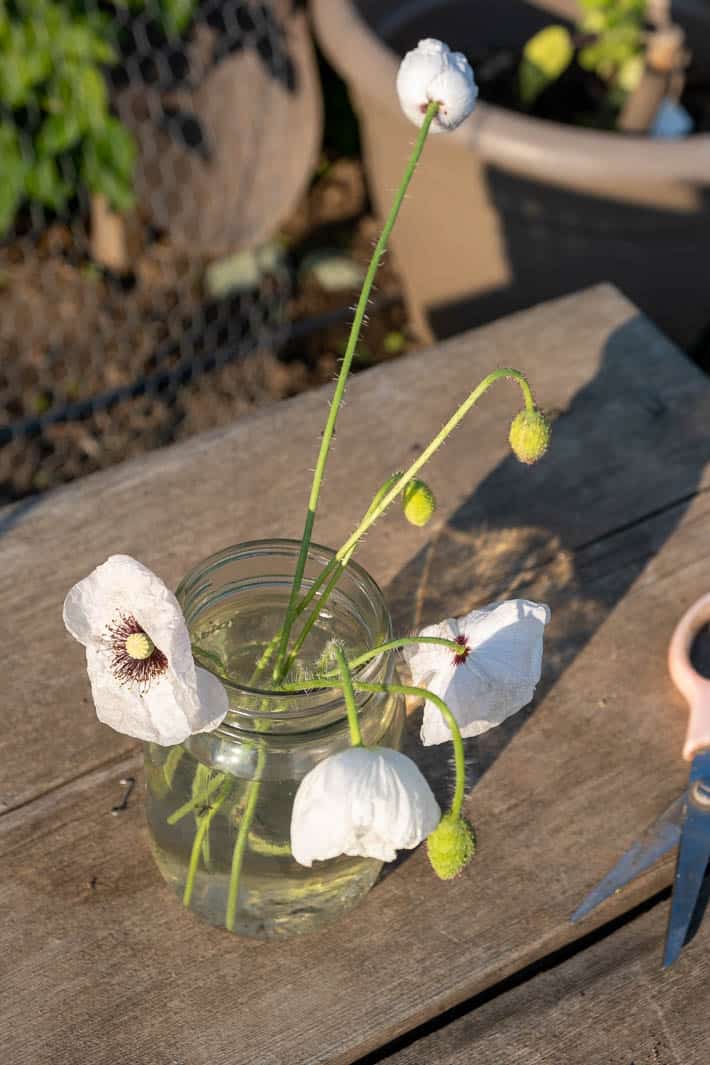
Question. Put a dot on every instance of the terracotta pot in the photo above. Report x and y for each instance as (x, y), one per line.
(510, 210)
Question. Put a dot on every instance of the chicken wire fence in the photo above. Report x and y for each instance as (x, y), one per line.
(147, 147)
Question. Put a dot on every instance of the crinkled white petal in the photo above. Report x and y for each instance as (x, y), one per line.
(123, 587)
(369, 802)
(212, 702)
(497, 678)
(432, 71)
(171, 706)
(168, 710)
(425, 660)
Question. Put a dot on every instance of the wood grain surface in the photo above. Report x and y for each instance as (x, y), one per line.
(102, 965)
(611, 1003)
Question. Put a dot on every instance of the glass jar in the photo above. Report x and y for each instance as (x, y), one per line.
(219, 805)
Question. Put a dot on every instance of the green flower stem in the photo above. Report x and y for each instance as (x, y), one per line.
(335, 569)
(394, 645)
(373, 514)
(199, 800)
(332, 570)
(345, 553)
(349, 695)
(340, 386)
(457, 740)
(170, 765)
(209, 658)
(422, 693)
(200, 782)
(235, 874)
(265, 657)
(200, 834)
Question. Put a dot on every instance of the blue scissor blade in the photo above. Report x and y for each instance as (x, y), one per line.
(693, 856)
(661, 837)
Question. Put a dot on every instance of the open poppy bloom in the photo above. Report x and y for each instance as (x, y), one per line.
(493, 675)
(144, 681)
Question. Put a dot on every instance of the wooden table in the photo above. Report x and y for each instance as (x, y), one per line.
(101, 965)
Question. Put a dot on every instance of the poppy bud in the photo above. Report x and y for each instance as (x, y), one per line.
(451, 846)
(418, 502)
(431, 71)
(529, 435)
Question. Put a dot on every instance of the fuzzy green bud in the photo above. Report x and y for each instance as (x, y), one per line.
(530, 435)
(418, 502)
(451, 846)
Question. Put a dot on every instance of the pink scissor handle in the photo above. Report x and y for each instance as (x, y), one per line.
(688, 681)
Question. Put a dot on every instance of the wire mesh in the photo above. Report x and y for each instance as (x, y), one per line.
(147, 148)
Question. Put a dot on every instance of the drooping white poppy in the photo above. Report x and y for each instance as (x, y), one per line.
(138, 656)
(433, 72)
(493, 676)
(365, 801)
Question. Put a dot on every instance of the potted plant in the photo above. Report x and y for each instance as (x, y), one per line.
(535, 207)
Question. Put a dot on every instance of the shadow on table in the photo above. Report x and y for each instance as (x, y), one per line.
(574, 531)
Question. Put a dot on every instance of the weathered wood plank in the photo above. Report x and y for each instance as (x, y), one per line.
(630, 437)
(611, 530)
(598, 759)
(610, 1003)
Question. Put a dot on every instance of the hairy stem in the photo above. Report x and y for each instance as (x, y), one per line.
(349, 696)
(346, 551)
(340, 386)
(423, 693)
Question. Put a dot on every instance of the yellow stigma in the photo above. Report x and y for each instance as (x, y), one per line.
(418, 502)
(139, 646)
(530, 435)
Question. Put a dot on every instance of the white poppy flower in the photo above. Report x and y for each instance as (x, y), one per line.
(433, 72)
(365, 801)
(492, 677)
(138, 655)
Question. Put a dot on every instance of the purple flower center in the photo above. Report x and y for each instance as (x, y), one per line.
(126, 667)
(461, 656)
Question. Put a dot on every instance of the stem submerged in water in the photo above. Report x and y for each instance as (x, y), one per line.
(200, 835)
(240, 845)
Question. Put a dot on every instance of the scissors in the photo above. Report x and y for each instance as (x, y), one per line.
(687, 820)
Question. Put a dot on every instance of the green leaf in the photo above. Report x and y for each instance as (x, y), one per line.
(45, 184)
(23, 64)
(79, 93)
(91, 96)
(118, 146)
(177, 14)
(58, 132)
(12, 174)
(108, 162)
(611, 51)
(79, 40)
(117, 190)
(630, 73)
(546, 56)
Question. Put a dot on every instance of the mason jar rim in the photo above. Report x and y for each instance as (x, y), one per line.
(327, 699)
